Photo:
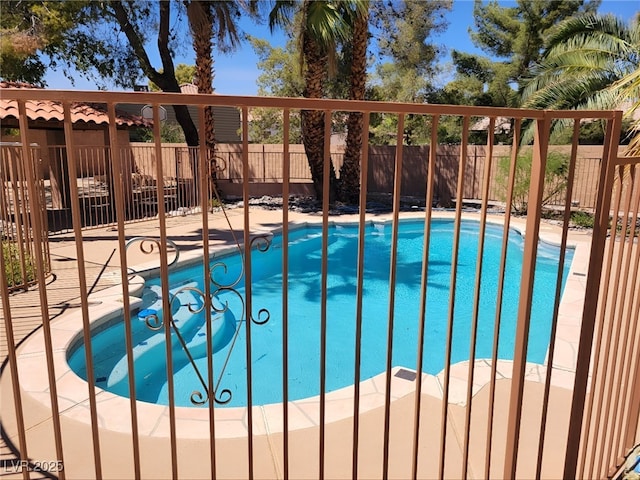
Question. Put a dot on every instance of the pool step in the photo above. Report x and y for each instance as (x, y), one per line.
(150, 354)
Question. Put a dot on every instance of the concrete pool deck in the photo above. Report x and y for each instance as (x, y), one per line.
(99, 246)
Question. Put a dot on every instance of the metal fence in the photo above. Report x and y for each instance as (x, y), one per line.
(22, 219)
(486, 417)
(97, 199)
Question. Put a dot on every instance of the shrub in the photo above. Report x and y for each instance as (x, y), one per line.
(12, 265)
(582, 219)
(555, 178)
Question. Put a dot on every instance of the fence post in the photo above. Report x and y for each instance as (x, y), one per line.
(536, 190)
(600, 227)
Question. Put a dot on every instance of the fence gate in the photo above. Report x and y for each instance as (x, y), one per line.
(604, 423)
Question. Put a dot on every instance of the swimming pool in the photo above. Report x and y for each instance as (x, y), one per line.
(304, 314)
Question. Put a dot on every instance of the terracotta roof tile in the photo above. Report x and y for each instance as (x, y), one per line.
(52, 111)
(190, 88)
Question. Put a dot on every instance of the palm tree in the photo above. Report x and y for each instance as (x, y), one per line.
(350, 171)
(322, 25)
(591, 62)
(209, 21)
(629, 87)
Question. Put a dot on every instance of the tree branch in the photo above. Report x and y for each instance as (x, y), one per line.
(163, 41)
(135, 41)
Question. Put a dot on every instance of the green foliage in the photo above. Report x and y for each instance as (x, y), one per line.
(280, 69)
(280, 77)
(12, 265)
(406, 28)
(10, 132)
(555, 178)
(584, 56)
(514, 35)
(590, 62)
(184, 74)
(266, 126)
(517, 32)
(37, 35)
(169, 133)
(393, 84)
(591, 133)
(407, 65)
(30, 27)
(582, 219)
(383, 130)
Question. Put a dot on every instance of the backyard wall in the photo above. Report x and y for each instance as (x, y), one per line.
(265, 168)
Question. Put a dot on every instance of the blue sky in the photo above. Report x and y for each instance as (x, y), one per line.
(236, 74)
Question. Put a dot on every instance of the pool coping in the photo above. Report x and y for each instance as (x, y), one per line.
(154, 420)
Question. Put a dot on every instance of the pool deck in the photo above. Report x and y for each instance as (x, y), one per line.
(103, 274)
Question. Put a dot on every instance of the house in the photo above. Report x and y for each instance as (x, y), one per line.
(46, 125)
(226, 119)
(46, 135)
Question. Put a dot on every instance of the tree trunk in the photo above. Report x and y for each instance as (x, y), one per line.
(350, 171)
(313, 120)
(201, 23)
(166, 79)
(183, 117)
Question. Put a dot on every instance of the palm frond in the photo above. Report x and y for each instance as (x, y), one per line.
(588, 25)
(628, 89)
(282, 13)
(326, 24)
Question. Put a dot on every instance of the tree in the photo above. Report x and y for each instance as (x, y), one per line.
(322, 25)
(22, 34)
(110, 41)
(404, 29)
(349, 190)
(209, 20)
(69, 33)
(280, 77)
(131, 17)
(514, 36)
(517, 33)
(591, 62)
(417, 19)
(408, 62)
(184, 74)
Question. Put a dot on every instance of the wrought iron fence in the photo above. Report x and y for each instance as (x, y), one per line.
(22, 219)
(488, 416)
(96, 194)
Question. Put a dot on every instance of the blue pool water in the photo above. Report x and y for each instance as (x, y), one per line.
(305, 256)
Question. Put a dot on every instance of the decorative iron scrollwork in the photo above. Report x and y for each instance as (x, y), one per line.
(217, 164)
(149, 245)
(155, 322)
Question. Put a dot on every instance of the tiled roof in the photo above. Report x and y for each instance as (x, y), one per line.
(52, 111)
(190, 88)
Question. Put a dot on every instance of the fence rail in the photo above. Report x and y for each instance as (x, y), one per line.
(96, 194)
(492, 412)
(18, 212)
